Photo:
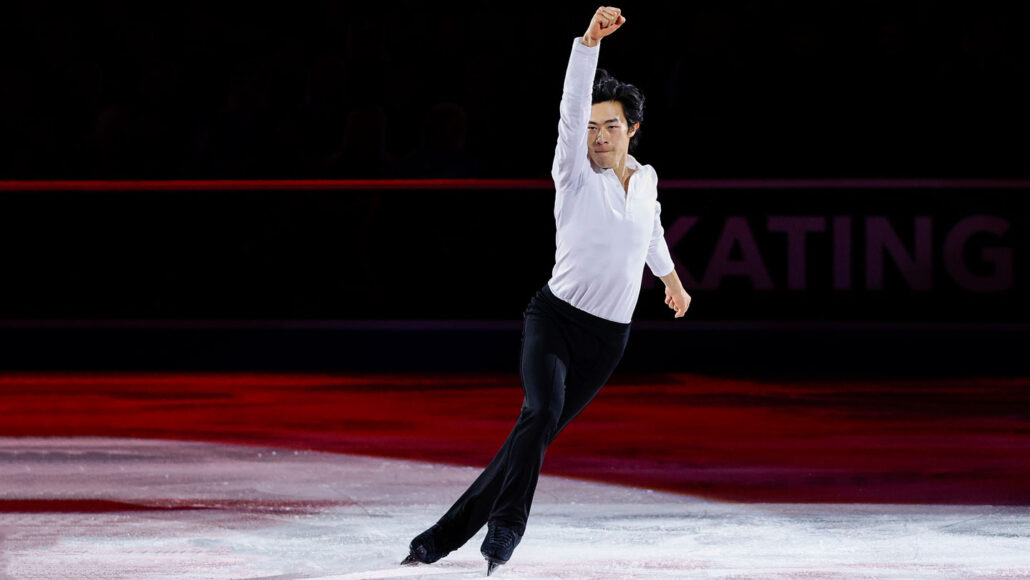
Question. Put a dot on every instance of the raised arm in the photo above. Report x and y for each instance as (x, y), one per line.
(570, 156)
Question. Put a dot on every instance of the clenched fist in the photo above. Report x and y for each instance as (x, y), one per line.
(606, 20)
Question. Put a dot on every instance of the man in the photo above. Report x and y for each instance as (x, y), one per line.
(575, 331)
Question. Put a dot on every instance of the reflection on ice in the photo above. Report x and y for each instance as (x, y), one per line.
(121, 508)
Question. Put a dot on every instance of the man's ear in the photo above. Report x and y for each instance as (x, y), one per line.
(633, 129)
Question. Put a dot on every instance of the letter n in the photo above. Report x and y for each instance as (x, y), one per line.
(915, 268)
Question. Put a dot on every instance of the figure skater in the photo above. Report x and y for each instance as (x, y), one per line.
(575, 328)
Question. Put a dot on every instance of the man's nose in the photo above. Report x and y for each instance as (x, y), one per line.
(601, 137)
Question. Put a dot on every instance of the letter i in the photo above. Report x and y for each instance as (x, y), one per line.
(842, 253)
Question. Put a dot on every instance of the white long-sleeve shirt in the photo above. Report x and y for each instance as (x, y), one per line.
(605, 234)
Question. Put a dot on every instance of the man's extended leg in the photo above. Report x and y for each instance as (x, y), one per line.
(544, 359)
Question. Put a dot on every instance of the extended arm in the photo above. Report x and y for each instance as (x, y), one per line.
(570, 155)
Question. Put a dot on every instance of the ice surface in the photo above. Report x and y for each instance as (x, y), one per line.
(126, 508)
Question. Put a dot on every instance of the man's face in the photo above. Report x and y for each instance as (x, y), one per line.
(608, 134)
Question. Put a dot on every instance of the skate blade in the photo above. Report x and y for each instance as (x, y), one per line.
(491, 565)
(411, 560)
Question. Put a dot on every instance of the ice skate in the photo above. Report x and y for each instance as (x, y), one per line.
(424, 549)
(500, 542)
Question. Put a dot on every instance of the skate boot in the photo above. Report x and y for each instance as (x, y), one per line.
(500, 542)
(424, 548)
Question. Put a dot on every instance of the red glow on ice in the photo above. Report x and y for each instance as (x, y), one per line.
(959, 441)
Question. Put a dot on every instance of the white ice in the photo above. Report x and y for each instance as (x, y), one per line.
(275, 513)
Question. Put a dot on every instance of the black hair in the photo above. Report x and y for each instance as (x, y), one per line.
(609, 88)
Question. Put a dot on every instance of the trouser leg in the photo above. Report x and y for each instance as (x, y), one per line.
(592, 364)
(551, 404)
(563, 367)
(516, 467)
(543, 384)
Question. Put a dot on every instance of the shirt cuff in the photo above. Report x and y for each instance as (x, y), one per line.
(660, 261)
(578, 45)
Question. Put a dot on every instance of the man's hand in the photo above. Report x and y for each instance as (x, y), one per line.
(677, 300)
(606, 20)
(675, 296)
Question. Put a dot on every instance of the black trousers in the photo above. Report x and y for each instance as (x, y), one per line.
(567, 356)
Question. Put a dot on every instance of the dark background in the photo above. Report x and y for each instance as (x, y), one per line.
(479, 254)
(127, 90)
(736, 90)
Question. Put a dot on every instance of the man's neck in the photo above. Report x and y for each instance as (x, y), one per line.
(622, 170)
